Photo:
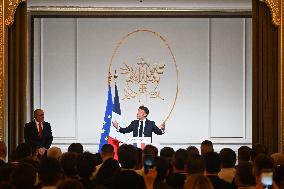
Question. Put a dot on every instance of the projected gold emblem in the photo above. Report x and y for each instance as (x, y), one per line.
(142, 80)
(148, 72)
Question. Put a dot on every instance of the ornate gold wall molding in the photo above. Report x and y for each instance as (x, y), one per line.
(2, 72)
(281, 56)
(7, 12)
(10, 9)
(275, 8)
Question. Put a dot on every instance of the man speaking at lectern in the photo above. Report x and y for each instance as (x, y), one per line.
(142, 127)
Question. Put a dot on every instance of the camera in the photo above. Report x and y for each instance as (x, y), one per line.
(267, 178)
(148, 162)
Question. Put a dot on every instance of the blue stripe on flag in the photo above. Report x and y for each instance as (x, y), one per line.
(107, 121)
(116, 104)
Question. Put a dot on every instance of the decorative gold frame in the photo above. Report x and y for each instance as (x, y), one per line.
(7, 11)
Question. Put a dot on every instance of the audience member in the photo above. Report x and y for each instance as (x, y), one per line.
(68, 161)
(49, 172)
(107, 172)
(262, 162)
(195, 164)
(86, 168)
(192, 150)
(70, 184)
(206, 146)
(177, 179)
(127, 178)
(228, 161)
(167, 152)
(244, 154)
(6, 171)
(162, 166)
(54, 152)
(198, 181)
(244, 176)
(278, 159)
(213, 163)
(22, 151)
(107, 152)
(258, 149)
(149, 150)
(76, 147)
(6, 185)
(24, 176)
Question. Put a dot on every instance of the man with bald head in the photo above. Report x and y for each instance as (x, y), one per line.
(38, 133)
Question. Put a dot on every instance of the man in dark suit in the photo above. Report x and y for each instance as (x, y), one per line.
(142, 127)
(38, 133)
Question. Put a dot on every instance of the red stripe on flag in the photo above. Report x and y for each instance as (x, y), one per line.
(115, 144)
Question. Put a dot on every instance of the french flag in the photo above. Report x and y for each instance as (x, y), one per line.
(116, 137)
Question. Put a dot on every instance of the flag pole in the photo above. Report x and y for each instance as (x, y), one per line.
(109, 78)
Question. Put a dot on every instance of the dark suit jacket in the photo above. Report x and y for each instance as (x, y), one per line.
(219, 183)
(149, 127)
(31, 135)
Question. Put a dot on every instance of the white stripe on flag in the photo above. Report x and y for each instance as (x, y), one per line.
(113, 132)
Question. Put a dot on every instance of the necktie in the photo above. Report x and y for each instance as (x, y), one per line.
(141, 129)
(40, 130)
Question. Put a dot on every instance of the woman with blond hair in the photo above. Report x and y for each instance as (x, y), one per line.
(198, 181)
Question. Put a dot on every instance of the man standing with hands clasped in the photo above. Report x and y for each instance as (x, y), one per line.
(142, 127)
(38, 133)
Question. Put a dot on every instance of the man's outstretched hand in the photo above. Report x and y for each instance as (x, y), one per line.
(162, 126)
(115, 124)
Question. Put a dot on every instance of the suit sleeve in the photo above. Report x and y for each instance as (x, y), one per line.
(49, 137)
(157, 130)
(27, 135)
(127, 129)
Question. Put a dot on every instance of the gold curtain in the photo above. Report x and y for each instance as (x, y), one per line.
(17, 76)
(265, 77)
